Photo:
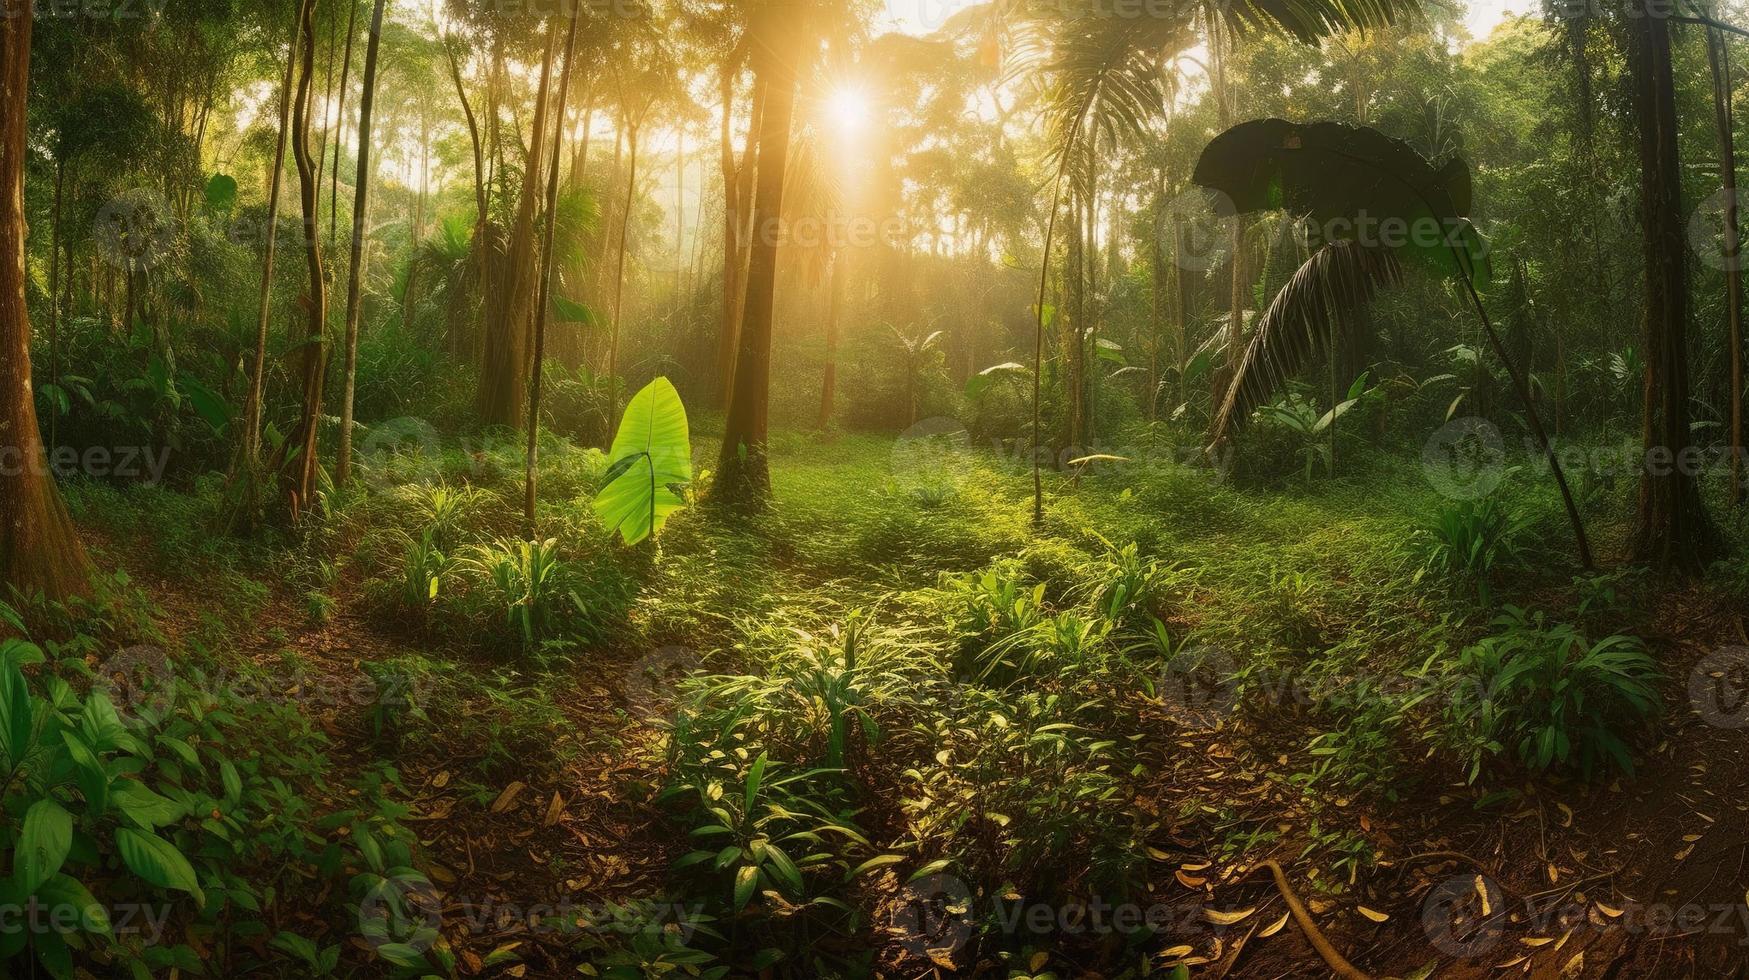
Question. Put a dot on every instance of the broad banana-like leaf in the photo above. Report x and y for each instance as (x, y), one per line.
(1320, 300)
(649, 466)
(1355, 184)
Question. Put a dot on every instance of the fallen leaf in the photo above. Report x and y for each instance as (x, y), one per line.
(1220, 918)
(507, 797)
(1274, 927)
(1190, 881)
(1372, 914)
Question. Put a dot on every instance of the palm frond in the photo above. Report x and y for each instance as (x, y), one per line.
(1300, 323)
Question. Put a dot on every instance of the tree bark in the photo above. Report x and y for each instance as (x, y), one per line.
(39, 549)
(1672, 529)
(834, 311)
(248, 468)
(743, 473)
(543, 296)
(619, 281)
(1718, 58)
(503, 382)
(355, 273)
(298, 464)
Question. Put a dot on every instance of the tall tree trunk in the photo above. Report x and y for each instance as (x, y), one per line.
(298, 464)
(834, 310)
(1074, 316)
(482, 208)
(1672, 529)
(55, 294)
(1718, 57)
(737, 237)
(355, 275)
(503, 383)
(248, 466)
(340, 130)
(743, 473)
(543, 294)
(619, 282)
(39, 550)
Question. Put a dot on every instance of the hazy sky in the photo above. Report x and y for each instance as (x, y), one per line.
(923, 16)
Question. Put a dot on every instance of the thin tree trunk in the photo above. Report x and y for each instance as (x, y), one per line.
(544, 289)
(39, 549)
(1718, 58)
(55, 296)
(360, 215)
(834, 310)
(482, 217)
(248, 468)
(619, 282)
(340, 131)
(298, 462)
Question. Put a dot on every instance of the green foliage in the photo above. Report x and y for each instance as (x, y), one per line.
(650, 464)
(1470, 541)
(1551, 697)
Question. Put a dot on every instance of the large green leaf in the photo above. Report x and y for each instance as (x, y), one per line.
(650, 463)
(158, 861)
(43, 844)
(1355, 184)
(16, 714)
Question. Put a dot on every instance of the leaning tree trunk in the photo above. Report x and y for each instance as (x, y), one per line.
(1672, 529)
(743, 473)
(482, 214)
(39, 550)
(340, 130)
(1718, 57)
(298, 465)
(355, 273)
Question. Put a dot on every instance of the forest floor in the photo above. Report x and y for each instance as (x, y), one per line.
(532, 778)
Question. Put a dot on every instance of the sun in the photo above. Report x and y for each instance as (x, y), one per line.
(848, 108)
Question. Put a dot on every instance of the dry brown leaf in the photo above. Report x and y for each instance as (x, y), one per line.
(1190, 881)
(1537, 940)
(507, 797)
(555, 809)
(1274, 927)
(1575, 966)
(1566, 814)
(1609, 910)
(1219, 918)
(1372, 914)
